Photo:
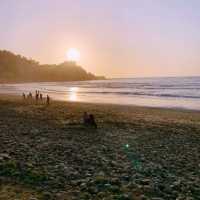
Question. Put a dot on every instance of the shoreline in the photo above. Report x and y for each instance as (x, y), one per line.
(101, 92)
(179, 109)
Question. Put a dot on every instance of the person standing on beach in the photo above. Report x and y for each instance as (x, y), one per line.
(41, 96)
(30, 95)
(48, 100)
(37, 96)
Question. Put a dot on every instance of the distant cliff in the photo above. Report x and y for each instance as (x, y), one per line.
(16, 68)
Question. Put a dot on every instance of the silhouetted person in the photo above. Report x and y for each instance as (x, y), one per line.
(48, 100)
(41, 96)
(92, 121)
(36, 95)
(85, 119)
(30, 95)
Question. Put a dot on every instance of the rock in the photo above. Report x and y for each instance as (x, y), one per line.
(125, 197)
(83, 186)
(34, 131)
(62, 196)
(101, 195)
(115, 181)
(180, 197)
(85, 195)
(147, 188)
(47, 196)
(101, 173)
(145, 182)
(4, 156)
(114, 188)
(176, 185)
(33, 198)
(161, 187)
(189, 198)
(93, 190)
(143, 197)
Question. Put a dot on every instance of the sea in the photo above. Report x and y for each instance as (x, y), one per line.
(167, 92)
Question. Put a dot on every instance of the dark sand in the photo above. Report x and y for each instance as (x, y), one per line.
(136, 153)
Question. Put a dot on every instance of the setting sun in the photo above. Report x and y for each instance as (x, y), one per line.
(73, 55)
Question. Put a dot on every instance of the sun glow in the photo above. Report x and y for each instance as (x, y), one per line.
(73, 55)
(73, 93)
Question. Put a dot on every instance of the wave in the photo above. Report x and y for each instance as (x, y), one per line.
(123, 93)
(144, 94)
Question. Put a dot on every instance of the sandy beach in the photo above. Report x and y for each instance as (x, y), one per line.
(136, 152)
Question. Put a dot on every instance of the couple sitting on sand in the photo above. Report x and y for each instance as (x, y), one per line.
(89, 120)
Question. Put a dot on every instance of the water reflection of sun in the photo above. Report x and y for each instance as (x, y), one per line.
(73, 93)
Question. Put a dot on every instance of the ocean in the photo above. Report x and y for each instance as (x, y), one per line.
(173, 92)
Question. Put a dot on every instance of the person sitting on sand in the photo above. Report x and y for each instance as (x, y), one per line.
(92, 121)
(85, 119)
(48, 100)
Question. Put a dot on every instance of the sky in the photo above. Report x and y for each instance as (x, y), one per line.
(116, 38)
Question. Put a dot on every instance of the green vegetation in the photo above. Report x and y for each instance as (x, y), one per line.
(15, 68)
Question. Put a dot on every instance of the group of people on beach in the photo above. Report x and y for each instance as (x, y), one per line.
(88, 119)
(38, 97)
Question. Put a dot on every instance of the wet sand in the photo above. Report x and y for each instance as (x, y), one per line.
(136, 152)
